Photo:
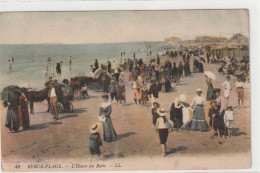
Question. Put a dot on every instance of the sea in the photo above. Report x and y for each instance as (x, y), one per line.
(30, 60)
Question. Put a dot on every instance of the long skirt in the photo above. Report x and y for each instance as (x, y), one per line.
(24, 116)
(210, 92)
(198, 120)
(163, 135)
(12, 120)
(176, 117)
(109, 131)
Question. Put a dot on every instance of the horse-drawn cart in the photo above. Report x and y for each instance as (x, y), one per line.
(65, 100)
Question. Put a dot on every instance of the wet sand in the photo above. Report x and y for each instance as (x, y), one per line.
(137, 146)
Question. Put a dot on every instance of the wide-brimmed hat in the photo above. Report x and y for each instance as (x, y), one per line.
(94, 128)
(161, 112)
(155, 102)
(198, 90)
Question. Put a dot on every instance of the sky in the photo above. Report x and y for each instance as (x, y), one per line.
(118, 26)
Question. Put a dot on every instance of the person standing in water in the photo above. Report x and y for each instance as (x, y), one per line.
(9, 64)
(12, 59)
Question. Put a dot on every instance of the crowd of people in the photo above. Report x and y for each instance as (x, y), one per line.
(147, 81)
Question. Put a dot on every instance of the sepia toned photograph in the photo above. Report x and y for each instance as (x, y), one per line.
(125, 90)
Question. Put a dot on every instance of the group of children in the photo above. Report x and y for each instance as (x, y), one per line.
(221, 122)
(117, 91)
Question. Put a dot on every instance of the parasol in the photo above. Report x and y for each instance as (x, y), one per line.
(11, 94)
(210, 75)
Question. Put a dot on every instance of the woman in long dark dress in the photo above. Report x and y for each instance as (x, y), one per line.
(176, 114)
(12, 120)
(105, 111)
(24, 113)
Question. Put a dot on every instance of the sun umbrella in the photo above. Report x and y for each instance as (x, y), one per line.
(11, 94)
(210, 75)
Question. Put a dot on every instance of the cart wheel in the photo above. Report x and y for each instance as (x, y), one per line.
(71, 107)
(60, 108)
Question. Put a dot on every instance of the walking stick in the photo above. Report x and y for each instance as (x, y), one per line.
(213, 125)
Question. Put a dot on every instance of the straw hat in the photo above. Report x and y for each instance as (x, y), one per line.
(198, 90)
(155, 102)
(161, 112)
(94, 128)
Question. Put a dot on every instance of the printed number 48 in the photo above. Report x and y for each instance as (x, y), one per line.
(17, 166)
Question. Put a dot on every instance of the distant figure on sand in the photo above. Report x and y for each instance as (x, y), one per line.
(121, 91)
(210, 92)
(105, 111)
(113, 91)
(240, 91)
(227, 88)
(198, 119)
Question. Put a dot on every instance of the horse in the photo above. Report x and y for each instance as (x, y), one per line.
(36, 96)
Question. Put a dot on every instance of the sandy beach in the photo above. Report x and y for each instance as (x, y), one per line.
(137, 146)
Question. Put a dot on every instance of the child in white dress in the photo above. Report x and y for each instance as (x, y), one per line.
(229, 120)
(186, 115)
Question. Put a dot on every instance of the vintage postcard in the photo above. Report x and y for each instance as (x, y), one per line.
(125, 90)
